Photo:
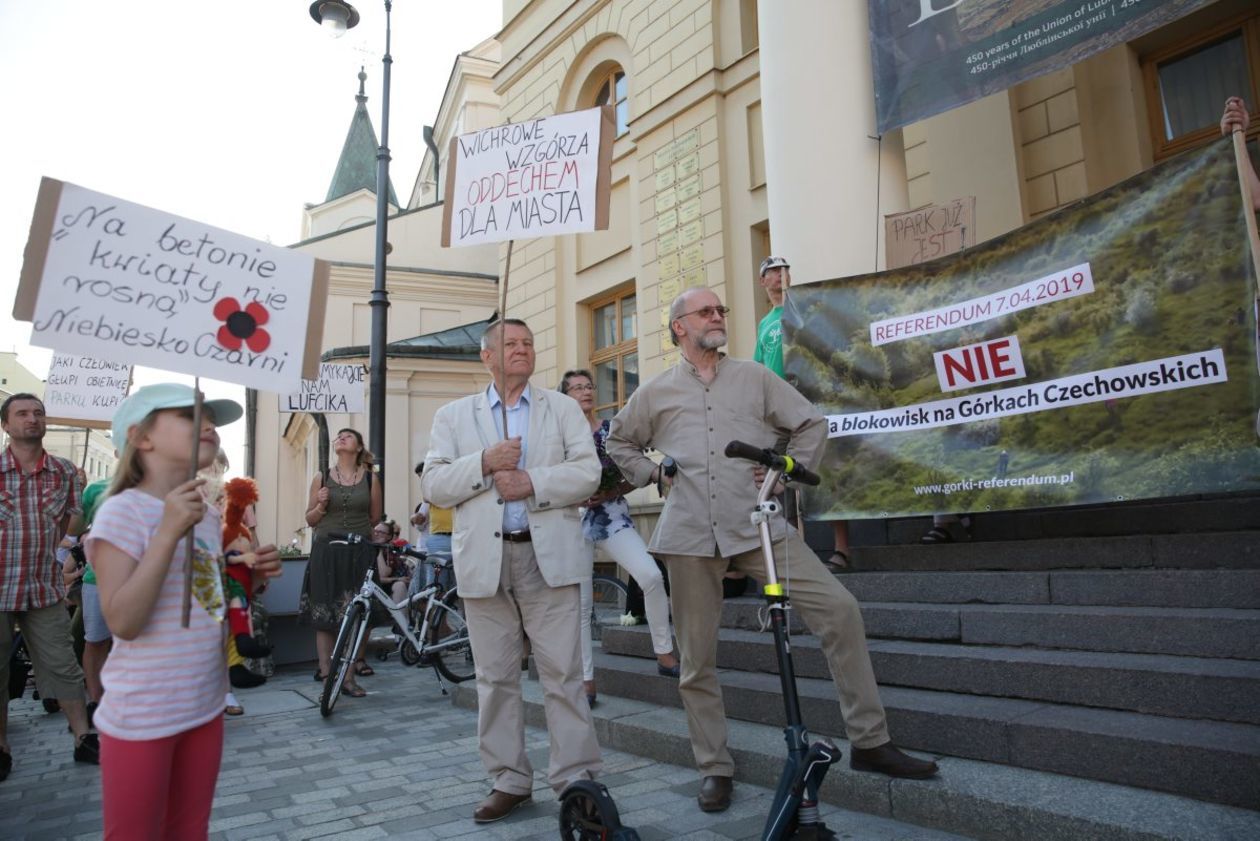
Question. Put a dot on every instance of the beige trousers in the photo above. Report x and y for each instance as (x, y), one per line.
(828, 609)
(497, 626)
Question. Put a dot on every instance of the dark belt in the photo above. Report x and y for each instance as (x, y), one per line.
(517, 536)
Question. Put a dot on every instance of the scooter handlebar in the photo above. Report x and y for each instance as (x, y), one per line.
(791, 468)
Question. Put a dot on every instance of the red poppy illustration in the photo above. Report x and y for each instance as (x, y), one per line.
(242, 325)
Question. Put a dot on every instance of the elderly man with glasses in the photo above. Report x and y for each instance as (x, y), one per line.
(691, 412)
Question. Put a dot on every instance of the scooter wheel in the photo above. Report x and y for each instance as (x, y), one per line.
(587, 813)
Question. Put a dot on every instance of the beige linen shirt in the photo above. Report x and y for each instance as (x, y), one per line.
(707, 510)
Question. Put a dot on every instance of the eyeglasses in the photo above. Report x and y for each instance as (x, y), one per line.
(707, 312)
(582, 387)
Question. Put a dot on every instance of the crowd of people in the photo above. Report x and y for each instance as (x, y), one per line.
(521, 485)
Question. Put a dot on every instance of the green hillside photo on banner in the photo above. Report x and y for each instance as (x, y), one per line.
(1105, 352)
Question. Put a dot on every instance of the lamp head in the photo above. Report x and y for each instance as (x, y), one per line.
(335, 16)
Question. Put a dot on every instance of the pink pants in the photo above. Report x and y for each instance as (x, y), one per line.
(161, 788)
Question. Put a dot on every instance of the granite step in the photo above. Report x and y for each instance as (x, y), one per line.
(1214, 689)
(977, 798)
(1207, 513)
(1217, 550)
(1216, 588)
(1189, 632)
(1207, 760)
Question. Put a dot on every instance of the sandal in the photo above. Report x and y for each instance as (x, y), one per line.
(838, 562)
(937, 534)
(320, 678)
(353, 690)
(362, 669)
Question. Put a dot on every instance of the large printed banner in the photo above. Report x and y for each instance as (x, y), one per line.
(933, 55)
(126, 283)
(1105, 352)
(541, 177)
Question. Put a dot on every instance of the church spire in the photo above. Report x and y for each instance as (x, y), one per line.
(356, 168)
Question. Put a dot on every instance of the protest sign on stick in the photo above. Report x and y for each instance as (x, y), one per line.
(132, 284)
(541, 177)
(84, 391)
(339, 389)
(127, 283)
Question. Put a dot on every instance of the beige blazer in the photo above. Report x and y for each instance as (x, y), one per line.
(561, 461)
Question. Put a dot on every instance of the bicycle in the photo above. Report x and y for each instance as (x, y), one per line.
(609, 595)
(794, 811)
(436, 636)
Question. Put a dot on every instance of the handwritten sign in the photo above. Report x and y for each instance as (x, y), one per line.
(126, 283)
(339, 389)
(84, 391)
(929, 232)
(538, 178)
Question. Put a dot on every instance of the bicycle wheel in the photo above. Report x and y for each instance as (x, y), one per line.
(608, 603)
(342, 657)
(449, 630)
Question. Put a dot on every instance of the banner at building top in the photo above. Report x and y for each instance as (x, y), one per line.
(933, 55)
(1105, 352)
(541, 177)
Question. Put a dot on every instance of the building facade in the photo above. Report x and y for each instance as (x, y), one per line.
(743, 129)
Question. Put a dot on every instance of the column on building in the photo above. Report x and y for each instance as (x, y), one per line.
(829, 178)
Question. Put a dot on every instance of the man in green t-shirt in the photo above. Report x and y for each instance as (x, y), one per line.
(775, 278)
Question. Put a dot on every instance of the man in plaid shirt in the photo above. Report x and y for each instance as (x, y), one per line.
(38, 494)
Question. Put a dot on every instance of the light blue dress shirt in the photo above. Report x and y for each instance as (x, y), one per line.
(515, 514)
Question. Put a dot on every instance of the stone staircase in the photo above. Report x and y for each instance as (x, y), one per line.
(1092, 673)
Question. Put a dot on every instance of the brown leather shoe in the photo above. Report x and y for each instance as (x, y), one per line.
(886, 759)
(715, 794)
(498, 806)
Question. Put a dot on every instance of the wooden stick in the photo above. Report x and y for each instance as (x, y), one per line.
(87, 440)
(1249, 212)
(502, 386)
(192, 474)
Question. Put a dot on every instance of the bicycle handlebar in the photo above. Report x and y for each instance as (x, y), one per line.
(791, 468)
(359, 540)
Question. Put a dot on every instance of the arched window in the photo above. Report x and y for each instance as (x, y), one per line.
(613, 90)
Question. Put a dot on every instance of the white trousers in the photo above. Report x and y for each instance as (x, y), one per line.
(631, 554)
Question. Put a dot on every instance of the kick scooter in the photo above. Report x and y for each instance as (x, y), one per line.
(794, 811)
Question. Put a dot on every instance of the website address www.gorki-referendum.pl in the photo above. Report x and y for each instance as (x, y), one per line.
(948, 488)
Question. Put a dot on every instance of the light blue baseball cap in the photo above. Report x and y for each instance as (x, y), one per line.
(150, 398)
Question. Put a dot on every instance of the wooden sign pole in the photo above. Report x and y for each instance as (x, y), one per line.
(192, 474)
(1249, 212)
(502, 386)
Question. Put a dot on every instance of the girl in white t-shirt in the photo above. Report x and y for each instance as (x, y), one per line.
(161, 717)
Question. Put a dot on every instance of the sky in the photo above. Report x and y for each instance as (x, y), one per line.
(235, 120)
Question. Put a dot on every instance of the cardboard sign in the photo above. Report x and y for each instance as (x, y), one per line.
(126, 283)
(538, 178)
(937, 230)
(338, 390)
(84, 391)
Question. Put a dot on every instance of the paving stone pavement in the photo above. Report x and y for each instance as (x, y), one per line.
(400, 763)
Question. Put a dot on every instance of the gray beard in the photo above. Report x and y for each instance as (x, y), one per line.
(711, 341)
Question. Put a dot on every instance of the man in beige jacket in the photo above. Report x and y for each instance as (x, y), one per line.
(691, 412)
(519, 555)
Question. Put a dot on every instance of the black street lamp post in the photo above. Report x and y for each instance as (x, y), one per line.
(337, 16)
